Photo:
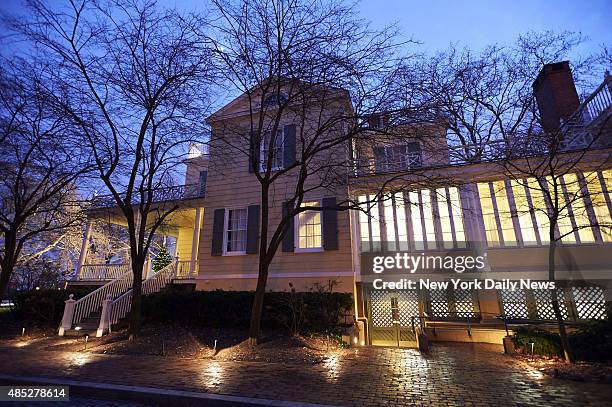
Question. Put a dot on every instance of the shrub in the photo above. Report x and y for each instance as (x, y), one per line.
(43, 307)
(593, 341)
(298, 312)
(544, 342)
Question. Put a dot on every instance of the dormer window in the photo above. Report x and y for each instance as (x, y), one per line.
(401, 157)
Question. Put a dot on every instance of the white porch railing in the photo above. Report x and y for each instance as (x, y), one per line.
(183, 268)
(93, 301)
(120, 307)
(103, 271)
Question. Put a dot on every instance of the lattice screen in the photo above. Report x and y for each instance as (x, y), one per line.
(590, 302)
(543, 302)
(514, 304)
(464, 303)
(381, 309)
(408, 304)
(438, 303)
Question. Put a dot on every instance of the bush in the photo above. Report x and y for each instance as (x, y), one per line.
(592, 342)
(544, 342)
(43, 307)
(298, 312)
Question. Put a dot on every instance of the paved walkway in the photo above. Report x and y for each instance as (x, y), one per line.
(449, 375)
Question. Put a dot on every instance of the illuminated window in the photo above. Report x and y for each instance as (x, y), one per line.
(488, 214)
(309, 236)
(600, 206)
(564, 223)
(430, 232)
(540, 207)
(389, 223)
(505, 216)
(579, 208)
(400, 215)
(364, 228)
(417, 227)
(445, 219)
(524, 212)
(455, 203)
(375, 224)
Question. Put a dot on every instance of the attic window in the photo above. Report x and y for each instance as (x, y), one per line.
(275, 100)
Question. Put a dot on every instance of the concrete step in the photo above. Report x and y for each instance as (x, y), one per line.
(81, 332)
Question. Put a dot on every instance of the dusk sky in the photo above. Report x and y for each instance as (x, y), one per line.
(474, 23)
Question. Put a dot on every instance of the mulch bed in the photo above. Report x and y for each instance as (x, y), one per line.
(199, 342)
(578, 371)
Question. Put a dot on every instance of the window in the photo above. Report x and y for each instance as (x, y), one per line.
(389, 222)
(276, 144)
(203, 178)
(579, 208)
(400, 215)
(398, 158)
(505, 216)
(236, 231)
(309, 231)
(539, 205)
(488, 214)
(445, 219)
(524, 211)
(600, 206)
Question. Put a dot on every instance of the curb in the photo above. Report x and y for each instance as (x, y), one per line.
(150, 395)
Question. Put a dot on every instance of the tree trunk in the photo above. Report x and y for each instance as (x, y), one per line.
(135, 317)
(565, 345)
(258, 300)
(8, 265)
(5, 276)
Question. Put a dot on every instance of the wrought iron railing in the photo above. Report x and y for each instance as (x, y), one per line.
(165, 194)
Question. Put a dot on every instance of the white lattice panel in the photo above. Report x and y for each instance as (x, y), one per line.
(464, 303)
(590, 302)
(438, 303)
(381, 309)
(543, 300)
(514, 303)
(408, 304)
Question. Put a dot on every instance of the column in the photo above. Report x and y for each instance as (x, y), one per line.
(84, 248)
(195, 241)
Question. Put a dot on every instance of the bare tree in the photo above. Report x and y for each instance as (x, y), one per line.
(134, 81)
(318, 66)
(40, 163)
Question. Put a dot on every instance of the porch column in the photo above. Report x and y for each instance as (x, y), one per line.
(195, 241)
(84, 248)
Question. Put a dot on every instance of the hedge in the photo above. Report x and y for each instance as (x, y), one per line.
(43, 307)
(306, 312)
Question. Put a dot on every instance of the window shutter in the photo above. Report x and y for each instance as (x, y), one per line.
(252, 246)
(217, 233)
(379, 158)
(330, 224)
(203, 178)
(289, 146)
(253, 152)
(288, 243)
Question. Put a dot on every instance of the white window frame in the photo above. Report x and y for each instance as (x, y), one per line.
(296, 230)
(263, 152)
(225, 230)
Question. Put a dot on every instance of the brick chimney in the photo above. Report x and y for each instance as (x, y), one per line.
(556, 94)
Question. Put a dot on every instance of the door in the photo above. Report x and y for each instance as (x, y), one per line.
(394, 317)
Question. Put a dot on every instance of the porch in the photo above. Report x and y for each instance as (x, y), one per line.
(179, 235)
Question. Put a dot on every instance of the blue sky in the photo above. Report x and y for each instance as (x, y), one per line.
(472, 23)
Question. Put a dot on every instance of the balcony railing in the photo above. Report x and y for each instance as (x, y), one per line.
(166, 194)
(102, 271)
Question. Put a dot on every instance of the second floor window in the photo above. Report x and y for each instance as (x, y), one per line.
(236, 231)
(274, 146)
(401, 157)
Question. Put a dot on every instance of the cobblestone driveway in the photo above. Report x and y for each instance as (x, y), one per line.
(449, 375)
